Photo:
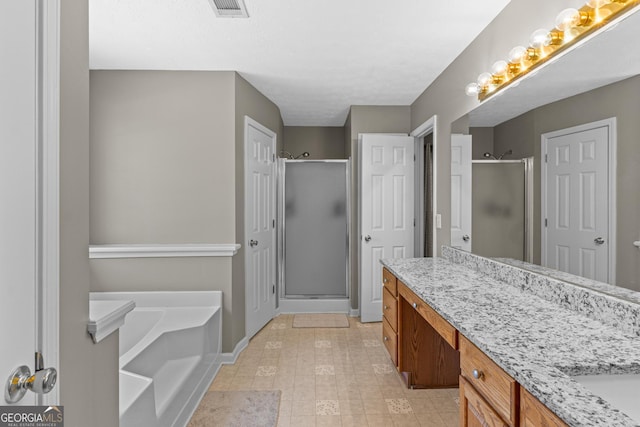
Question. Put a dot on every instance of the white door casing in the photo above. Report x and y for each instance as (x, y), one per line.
(578, 207)
(461, 192)
(386, 212)
(260, 214)
(29, 150)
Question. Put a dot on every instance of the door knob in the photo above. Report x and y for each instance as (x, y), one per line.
(465, 238)
(598, 240)
(21, 380)
(367, 238)
(253, 243)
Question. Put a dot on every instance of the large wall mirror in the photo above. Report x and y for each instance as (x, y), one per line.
(569, 196)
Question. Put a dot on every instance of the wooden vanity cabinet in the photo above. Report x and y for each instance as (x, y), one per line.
(474, 410)
(534, 414)
(498, 389)
(390, 314)
(427, 343)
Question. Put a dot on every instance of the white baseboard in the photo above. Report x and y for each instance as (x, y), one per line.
(354, 312)
(293, 306)
(230, 358)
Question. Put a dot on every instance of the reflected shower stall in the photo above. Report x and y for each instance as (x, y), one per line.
(313, 240)
(502, 206)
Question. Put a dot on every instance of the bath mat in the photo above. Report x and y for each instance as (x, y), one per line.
(238, 409)
(320, 321)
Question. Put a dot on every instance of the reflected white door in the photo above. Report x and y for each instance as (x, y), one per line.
(18, 185)
(260, 277)
(386, 212)
(577, 203)
(461, 192)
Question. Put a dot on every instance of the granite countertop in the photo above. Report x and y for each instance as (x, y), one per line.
(539, 343)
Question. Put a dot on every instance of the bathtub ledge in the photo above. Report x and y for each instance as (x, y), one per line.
(106, 317)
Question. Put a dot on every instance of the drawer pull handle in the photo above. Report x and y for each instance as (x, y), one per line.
(385, 338)
(477, 374)
(415, 305)
(386, 307)
(385, 280)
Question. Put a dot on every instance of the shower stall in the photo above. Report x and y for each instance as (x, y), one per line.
(313, 238)
(502, 208)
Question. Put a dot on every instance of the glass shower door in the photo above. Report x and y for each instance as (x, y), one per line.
(316, 229)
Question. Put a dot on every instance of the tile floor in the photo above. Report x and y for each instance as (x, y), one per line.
(334, 377)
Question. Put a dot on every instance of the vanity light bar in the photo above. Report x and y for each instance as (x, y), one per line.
(572, 25)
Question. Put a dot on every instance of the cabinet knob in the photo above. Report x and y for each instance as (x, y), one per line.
(385, 280)
(385, 338)
(477, 374)
(415, 305)
(386, 307)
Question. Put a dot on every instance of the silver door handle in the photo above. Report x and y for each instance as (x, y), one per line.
(367, 238)
(598, 240)
(21, 380)
(253, 243)
(465, 238)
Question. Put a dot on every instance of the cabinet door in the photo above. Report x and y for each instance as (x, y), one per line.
(533, 413)
(474, 410)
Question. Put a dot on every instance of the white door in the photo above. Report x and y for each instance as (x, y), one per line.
(386, 212)
(260, 260)
(461, 192)
(577, 205)
(24, 188)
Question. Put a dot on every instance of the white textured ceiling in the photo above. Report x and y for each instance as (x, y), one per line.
(313, 59)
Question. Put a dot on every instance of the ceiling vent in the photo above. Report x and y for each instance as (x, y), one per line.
(229, 8)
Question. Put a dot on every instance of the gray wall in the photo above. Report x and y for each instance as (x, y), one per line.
(322, 142)
(618, 100)
(88, 378)
(446, 97)
(166, 167)
(368, 119)
(482, 142)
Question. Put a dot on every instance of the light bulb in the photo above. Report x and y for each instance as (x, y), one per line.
(499, 68)
(597, 3)
(568, 19)
(517, 54)
(540, 38)
(484, 79)
(472, 89)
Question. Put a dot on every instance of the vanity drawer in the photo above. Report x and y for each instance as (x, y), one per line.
(444, 328)
(497, 387)
(390, 309)
(390, 340)
(389, 282)
(474, 410)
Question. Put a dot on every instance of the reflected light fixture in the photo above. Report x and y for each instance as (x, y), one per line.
(571, 25)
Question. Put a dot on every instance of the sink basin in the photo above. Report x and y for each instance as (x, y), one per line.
(621, 391)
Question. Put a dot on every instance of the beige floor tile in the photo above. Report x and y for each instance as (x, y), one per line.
(357, 392)
(354, 420)
(303, 407)
(303, 421)
(375, 407)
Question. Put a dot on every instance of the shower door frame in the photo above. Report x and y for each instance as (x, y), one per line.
(281, 237)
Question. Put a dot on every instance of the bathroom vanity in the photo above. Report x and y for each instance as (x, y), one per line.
(514, 341)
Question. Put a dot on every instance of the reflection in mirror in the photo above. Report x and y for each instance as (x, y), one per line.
(592, 84)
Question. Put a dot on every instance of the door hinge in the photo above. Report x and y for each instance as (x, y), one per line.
(273, 223)
(546, 158)
(414, 222)
(273, 289)
(546, 222)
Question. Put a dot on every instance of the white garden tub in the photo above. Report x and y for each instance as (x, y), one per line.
(169, 354)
